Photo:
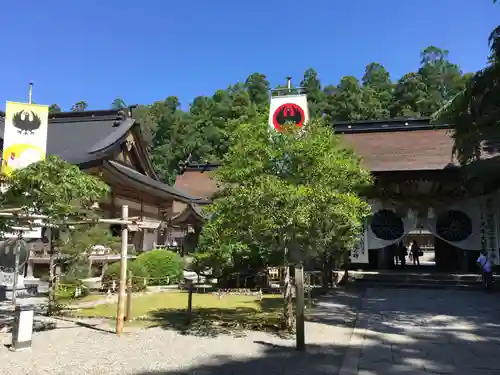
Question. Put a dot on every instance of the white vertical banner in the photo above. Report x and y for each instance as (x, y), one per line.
(360, 254)
(24, 141)
(490, 227)
(288, 108)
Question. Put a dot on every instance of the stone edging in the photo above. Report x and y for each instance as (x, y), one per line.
(355, 346)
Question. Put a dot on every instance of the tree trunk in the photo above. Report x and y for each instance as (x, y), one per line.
(288, 313)
(52, 276)
(327, 271)
(345, 266)
(52, 285)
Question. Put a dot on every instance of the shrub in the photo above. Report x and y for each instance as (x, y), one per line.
(137, 269)
(163, 266)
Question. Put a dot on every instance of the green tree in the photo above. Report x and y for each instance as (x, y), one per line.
(112, 273)
(77, 248)
(346, 101)
(378, 95)
(147, 122)
(79, 106)
(57, 190)
(442, 79)
(474, 112)
(274, 186)
(315, 95)
(54, 108)
(409, 96)
(257, 87)
(118, 103)
(163, 267)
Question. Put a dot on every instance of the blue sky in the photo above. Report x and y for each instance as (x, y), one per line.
(146, 50)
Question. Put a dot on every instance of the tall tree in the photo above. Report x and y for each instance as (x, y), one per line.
(79, 106)
(345, 103)
(378, 94)
(474, 112)
(257, 87)
(274, 186)
(409, 96)
(315, 95)
(54, 108)
(443, 79)
(118, 103)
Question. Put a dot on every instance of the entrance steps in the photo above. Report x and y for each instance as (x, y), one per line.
(417, 279)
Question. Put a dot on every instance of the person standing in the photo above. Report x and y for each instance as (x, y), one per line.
(415, 253)
(395, 253)
(486, 266)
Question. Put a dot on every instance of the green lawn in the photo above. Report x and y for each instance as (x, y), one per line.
(75, 301)
(211, 314)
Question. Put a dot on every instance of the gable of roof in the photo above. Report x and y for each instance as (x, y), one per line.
(191, 210)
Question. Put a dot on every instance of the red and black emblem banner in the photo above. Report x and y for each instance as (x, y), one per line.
(289, 112)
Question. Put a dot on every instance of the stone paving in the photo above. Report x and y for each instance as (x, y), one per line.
(89, 349)
(428, 332)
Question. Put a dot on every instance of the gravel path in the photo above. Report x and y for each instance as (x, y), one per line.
(73, 349)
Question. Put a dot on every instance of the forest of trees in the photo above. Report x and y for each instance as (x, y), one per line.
(203, 131)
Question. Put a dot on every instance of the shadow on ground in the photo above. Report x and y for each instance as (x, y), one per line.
(404, 332)
(276, 360)
(213, 322)
(268, 318)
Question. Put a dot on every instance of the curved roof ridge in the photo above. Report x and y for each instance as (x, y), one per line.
(119, 133)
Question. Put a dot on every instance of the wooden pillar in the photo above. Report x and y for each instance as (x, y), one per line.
(113, 204)
(89, 272)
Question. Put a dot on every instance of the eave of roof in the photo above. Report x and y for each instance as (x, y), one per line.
(153, 184)
(201, 167)
(389, 125)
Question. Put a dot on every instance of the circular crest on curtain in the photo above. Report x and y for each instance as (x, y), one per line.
(454, 226)
(387, 225)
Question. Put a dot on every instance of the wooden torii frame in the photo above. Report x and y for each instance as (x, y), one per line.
(125, 221)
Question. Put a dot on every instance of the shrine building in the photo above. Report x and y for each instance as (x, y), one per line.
(420, 193)
(109, 144)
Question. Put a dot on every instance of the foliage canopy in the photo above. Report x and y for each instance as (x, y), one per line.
(296, 190)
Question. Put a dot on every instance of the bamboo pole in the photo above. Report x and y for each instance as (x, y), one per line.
(123, 274)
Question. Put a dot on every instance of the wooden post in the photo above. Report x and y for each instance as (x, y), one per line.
(299, 300)
(123, 274)
(190, 302)
(128, 315)
(309, 289)
(16, 249)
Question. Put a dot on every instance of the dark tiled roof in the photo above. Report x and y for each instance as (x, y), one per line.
(80, 137)
(85, 137)
(154, 184)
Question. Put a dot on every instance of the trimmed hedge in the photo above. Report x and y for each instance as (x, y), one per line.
(138, 272)
(163, 267)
